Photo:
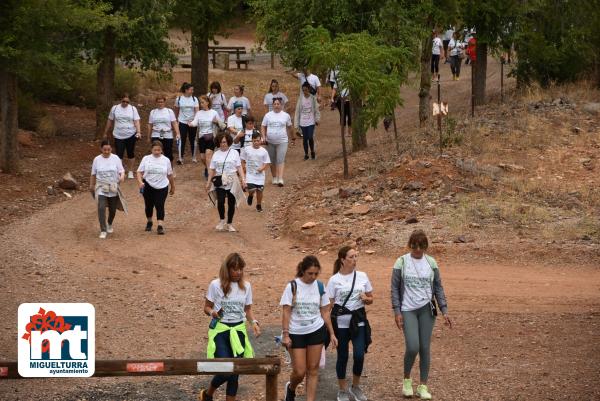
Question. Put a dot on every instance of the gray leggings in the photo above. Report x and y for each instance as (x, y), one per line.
(103, 203)
(418, 327)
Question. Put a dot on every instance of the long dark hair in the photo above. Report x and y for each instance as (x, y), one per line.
(273, 81)
(306, 263)
(185, 86)
(342, 253)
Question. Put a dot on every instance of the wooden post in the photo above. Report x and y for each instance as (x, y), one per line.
(342, 121)
(439, 117)
(272, 60)
(214, 57)
(473, 68)
(502, 79)
(271, 388)
(396, 132)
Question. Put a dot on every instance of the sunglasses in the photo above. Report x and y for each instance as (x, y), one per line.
(125, 101)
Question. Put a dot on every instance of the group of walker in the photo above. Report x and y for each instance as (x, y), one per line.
(315, 316)
(454, 49)
(234, 153)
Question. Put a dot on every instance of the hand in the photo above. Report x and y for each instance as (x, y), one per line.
(178, 137)
(214, 314)
(316, 123)
(399, 321)
(172, 191)
(364, 297)
(333, 341)
(286, 341)
(141, 185)
(138, 135)
(447, 321)
(256, 329)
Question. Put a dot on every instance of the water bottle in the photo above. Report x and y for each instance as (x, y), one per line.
(279, 341)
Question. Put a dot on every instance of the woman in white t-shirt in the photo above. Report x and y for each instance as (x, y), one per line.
(225, 168)
(238, 96)
(272, 94)
(305, 324)
(307, 116)
(456, 49)
(186, 106)
(124, 126)
(349, 290)
(154, 176)
(275, 129)
(161, 125)
(229, 303)
(235, 124)
(107, 174)
(437, 50)
(208, 121)
(416, 286)
(218, 101)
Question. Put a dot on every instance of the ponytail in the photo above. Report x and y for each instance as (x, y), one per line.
(342, 253)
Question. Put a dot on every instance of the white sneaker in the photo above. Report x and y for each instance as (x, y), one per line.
(130, 175)
(342, 396)
(103, 235)
(231, 228)
(275, 181)
(357, 394)
(109, 229)
(280, 182)
(220, 226)
(194, 160)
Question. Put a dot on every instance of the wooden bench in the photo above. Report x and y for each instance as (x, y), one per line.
(237, 50)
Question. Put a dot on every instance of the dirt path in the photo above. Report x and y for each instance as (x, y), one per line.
(522, 332)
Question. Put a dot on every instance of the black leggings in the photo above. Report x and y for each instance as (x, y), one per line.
(221, 195)
(155, 198)
(455, 62)
(187, 132)
(435, 63)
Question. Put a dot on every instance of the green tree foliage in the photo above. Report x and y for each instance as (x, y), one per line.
(557, 41)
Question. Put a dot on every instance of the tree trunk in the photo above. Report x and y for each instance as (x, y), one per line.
(359, 130)
(9, 156)
(424, 96)
(480, 73)
(199, 61)
(105, 82)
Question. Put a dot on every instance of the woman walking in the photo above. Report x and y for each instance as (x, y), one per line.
(238, 96)
(305, 324)
(154, 176)
(227, 178)
(206, 119)
(161, 125)
(107, 174)
(218, 101)
(186, 106)
(235, 125)
(229, 303)
(124, 126)
(273, 94)
(349, 291)
(307, 116)
(417, 292)
(275, 130)
(455, 48)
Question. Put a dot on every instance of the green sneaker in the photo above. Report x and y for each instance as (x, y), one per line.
(423, 392)
(407, 390)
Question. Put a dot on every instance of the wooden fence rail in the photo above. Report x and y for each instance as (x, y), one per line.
(269, 366)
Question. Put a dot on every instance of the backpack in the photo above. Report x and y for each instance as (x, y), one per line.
(294, 287)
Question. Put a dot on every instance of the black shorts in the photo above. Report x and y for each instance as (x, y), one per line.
(121, 145)
(252, 187)
(314, 338)
(206, 142)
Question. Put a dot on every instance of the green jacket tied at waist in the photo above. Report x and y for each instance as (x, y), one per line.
(234, 339)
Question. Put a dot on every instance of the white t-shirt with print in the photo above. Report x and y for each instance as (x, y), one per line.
(187, 107)
(204, 121)
(437, 44)
(156, 170)
(455, 47)
(338, 288)
(235, 122)
(226, 162)
(312, 79)
(268, 100)
(232, 305)
(217, 103)
(307, 112)
(277, 124)
(124, 118)
(306, 312)
(248, 137)
(417, 283)
(243, 100)
(255, 159)
(107, 170)
(161, 120)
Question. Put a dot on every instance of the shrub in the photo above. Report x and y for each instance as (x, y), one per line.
(30, 112)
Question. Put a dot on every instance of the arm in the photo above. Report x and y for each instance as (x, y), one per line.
(140, 178)
(264, 167)
(263, 133)
(172, 184)
(440, 296)
(367, 297)
(250, 318)
(208, 309)
(138, 130)
(240, 172)
(108, 128)
(150, 132)
(93, 184)
(238, 137)
(286, 313)
(326, 315)
(211, 174)
(291, 135)
(396, 299)
(194, 122)
(175, 126)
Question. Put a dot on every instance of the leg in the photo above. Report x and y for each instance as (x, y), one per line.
(208, 157)
(272, 154)
(168, 148)
(298, 367)
(183, 131)
(259, 197)
(130, 147)
(426, 323)
(112, 209)
(224, 351)
(304, 141)
(149, 201)
(432, 64)
(281, 151)
(221, 194)
(313, 357)
(310, 135)
(102, 200)
(160, 197)
(457, 68)
(343, 336)
(358, 351)
(411, 339)
(230, 206)
(192, 137)
(120, 148)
